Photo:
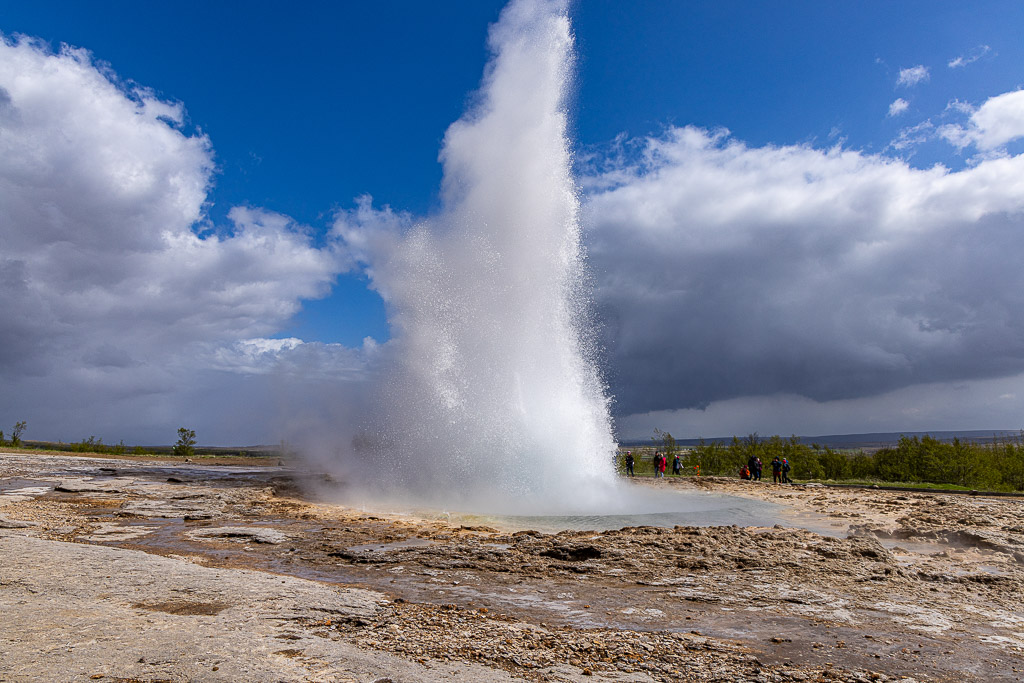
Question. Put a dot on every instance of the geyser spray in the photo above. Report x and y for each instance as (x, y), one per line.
(492, 400)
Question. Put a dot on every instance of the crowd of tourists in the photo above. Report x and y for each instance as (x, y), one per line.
(660, 464)
(751, 471)
(780, 470)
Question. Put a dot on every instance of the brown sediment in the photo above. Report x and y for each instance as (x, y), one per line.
(911, 583)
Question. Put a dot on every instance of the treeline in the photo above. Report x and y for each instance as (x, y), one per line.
(185, 446)
(997, 466)
(89, 445)
(94, 445)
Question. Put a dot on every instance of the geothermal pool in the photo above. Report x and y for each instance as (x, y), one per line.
(639, 506)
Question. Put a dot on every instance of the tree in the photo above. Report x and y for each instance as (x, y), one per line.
(186, 445)
(834, 464)
(16, 432)
(711, 458)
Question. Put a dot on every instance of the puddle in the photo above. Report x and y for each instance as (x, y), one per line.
(1014, 643)
(385, 547)
(560, 606)
(901, 546)
(30, 491)
(16, 486)
(112, 532)
(15, 489)
(983, 568)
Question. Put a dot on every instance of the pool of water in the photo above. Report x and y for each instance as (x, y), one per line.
(682, 509)
(646, 507)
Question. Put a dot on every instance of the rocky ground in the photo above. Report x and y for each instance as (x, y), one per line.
(146, 571)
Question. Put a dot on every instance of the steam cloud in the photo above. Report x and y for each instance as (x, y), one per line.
(491, 392)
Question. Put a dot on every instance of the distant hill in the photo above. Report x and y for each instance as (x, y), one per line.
(868, 442)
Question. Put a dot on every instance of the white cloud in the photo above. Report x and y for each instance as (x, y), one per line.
(109, 295)
(996, 122)
(969, 58)
(292, 356)
(960, 107)
(912, 76)
(727, 271)
(914, 135)
(898, 106)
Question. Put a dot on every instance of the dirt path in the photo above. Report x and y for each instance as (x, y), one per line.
(926, 586)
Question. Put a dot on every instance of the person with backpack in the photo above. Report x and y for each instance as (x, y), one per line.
(785, 472)
(677, 465)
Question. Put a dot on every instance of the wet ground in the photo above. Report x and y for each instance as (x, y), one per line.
(866, 584)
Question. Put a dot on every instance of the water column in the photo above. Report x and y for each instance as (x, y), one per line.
(494, 399)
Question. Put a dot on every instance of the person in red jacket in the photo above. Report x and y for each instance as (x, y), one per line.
(659, 465)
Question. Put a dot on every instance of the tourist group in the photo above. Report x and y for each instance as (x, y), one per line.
(751, 471)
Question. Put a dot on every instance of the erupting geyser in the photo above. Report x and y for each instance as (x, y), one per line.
(492, 400)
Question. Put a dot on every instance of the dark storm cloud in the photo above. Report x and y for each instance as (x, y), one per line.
(726, 271)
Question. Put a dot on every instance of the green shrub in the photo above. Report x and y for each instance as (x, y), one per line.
(998, 465)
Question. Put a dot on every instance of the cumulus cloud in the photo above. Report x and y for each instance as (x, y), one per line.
(898, 106)
(111, 297)
(969, 58)
(913, 75)
(995, 123)
(728, 271)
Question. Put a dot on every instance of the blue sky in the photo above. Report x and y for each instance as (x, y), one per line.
(786, 73)
(304, 108)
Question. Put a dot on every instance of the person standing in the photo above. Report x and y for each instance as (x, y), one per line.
(785, 472)
(776, 470)
(757, 469)
(677, 465)
(629, 463)
(659, 465)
